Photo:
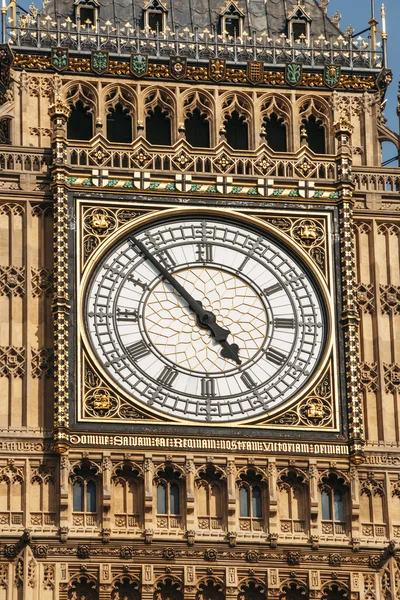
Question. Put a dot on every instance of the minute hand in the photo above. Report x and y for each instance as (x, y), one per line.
(206, 319)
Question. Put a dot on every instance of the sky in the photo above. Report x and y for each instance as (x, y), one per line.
(357, 13)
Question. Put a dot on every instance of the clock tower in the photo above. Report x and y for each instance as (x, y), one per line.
(199, 290)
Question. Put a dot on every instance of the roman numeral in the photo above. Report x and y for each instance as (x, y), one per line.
(137, 350)
(204, 252)
(248, 380)
(275, 356)
(166, 259)
(208, 388)
(273, 289)
(127, 314)
(167, 376)
(281, 323)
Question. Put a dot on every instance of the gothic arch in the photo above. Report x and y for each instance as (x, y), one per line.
(208, 468)
(293, 589)
(252, 470)
(162, 467)
(335, 590)
(127, 464)
(83, 100)
(203, 102)
(168, 587)
(73, 91)
(339, 475)
(252, 589)
(83, 587)
(123, 97)
(312, 107)
(210, 588)
(162, 99)
(85, 464)
(125, 587)
(237, 103)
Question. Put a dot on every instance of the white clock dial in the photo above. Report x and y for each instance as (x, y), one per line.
(153, 344)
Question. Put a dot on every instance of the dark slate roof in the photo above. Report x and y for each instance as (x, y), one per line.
(261, 15)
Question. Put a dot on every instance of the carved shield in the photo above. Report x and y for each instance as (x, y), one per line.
(255, 71)
(293, 73)
(139, 65)
(99, 61)
(217, 69)
(332, 75)
(59, 58)
(178, 66)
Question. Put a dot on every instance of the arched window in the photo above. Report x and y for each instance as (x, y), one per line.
(168, 590)
(333, 505)
(292, 505)
(158, 127)
(209, 499)
(275, 131)
(237, 134)
(372, 509)
(127, 497)
(168, 498)
(84, 495)
(119, 125)
(80, 123)
(252, 503)
(210, 590)
(197, 129)
(315, 134)
(42, 498)
(83, 589)
(333, 592)
(125, 589)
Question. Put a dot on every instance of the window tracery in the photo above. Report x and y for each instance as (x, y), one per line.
(210, 589)
(236, 116)
(168, 588)
(11, 481)
(168, 490)
(335, 591)
(43, 496)
(252, 494)
(159, 110)
(333, 497)
(276, 117)
(120, 113)
(293, 501)
(82, 99)
(372, 508)
(127, 496)
(85, 491)
(293, 590)
(155, 16)
(210, 497)
(314, 118)
(83, 587)
(252, 590)
(125, 587)
(198, 114)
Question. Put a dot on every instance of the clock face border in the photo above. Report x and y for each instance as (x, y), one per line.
(160, 211)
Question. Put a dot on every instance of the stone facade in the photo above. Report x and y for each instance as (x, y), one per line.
(80, 517)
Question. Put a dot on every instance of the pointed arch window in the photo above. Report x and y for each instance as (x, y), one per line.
(315, 133)
(237, 134)
(127, 497)
(119, 125)
(168, 498)
(87, 12)
(84, 495)
(372, 514)
(155, 16)
(158, 127)
(80, 123)
(232, 19)
(333, 505)
(275, 131)
(252, 505)
(210, 494)
(299, 24)
(197, 129)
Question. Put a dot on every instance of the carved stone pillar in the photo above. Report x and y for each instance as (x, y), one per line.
(273, 497)
(355, 503)
(314, 504)
(190, 500)
(147, 589)
(189, 582)
(148, 468)
(231, 582)
(106, 469)
(65, 469)
(231, 485)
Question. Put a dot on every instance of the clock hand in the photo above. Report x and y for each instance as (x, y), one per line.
(205, 318)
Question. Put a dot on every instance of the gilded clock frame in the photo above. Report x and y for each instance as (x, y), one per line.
(315, 408)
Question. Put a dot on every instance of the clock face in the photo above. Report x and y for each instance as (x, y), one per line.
(149, 336)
